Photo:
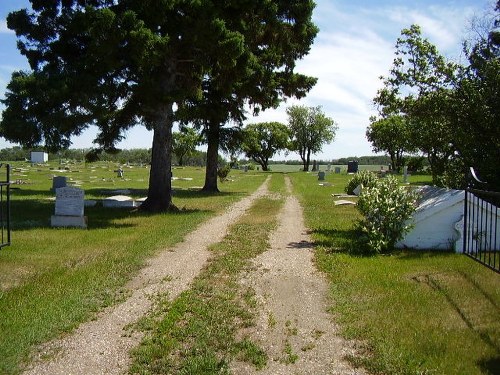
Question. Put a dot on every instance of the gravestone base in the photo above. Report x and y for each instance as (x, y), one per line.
(68, 221)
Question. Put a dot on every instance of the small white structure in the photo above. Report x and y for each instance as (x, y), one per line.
(439, 220)
(434, 219)
(39, 157)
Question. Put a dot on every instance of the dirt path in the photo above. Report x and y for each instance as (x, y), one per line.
(101, 346)
(293, 327)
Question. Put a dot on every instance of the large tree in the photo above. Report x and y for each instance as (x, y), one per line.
(419, 85)
(112, 64)
(262, 141)
(390, 135)
(275, 34)
(117, 64)
(310, 129)
(475, 109)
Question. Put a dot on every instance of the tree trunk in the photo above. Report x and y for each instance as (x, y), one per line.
(302, 154)
(393, 162)
(160, 184)
(308, 161)
(212, 158)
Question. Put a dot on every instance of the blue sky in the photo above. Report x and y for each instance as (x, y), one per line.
(354, 47)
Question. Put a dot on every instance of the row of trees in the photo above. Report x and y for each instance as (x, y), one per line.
(308, 129)
(133, 156)
(117, 64)
(448, 112)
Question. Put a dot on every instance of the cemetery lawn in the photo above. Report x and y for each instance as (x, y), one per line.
(411, 311)
(52, 279)
(407, 312)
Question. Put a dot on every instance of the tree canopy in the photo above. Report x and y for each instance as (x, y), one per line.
(276, 34)
(310, 129)
(117, 64)
(418, 87)
(184, 143)
(391, 135)
(451, 111)
(262, 141)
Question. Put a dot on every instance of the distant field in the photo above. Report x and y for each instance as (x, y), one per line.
(322, 167)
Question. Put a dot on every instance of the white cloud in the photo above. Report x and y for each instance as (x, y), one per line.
(443, 26)
(354, 47)
(4, 29)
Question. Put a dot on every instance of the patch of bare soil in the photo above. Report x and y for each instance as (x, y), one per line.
(293, 327)
(102, 346)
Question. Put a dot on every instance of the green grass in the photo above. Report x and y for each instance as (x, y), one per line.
(413, 312)
(51, 279)
(197, 332)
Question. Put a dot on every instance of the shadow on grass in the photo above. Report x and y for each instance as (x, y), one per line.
(32, 209)
(490, 366)
(36, 213)
(339, 240)
(410, 254)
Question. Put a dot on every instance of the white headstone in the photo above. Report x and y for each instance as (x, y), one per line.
(69, 201)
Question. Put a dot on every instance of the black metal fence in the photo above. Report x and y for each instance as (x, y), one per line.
(5, 208)
(482, 227)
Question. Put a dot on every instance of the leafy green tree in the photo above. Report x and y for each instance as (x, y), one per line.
(275, 34)
(390, 135)
(475, 109)
(117, 64)
(184, 143)
(310, 129)
(418, 87)
(263, 140)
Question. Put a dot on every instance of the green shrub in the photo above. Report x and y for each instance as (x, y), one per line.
(386, 208)
(364, 178)
(223, 172)
(415, 164)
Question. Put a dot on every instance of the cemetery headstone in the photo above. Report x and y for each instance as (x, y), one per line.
(58, 182)
(321, 176)
(357, 190)
(120, 201)
(405, 174)
(352, 166)
(337, 170)
(69, 208)
(315, 166)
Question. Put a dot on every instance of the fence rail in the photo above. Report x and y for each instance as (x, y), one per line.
(482, 227)
(5, 208)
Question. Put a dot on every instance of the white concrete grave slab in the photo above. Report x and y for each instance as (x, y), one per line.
(119, 201)
(343, 202)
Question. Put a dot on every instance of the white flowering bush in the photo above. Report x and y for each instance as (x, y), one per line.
(386, 208)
